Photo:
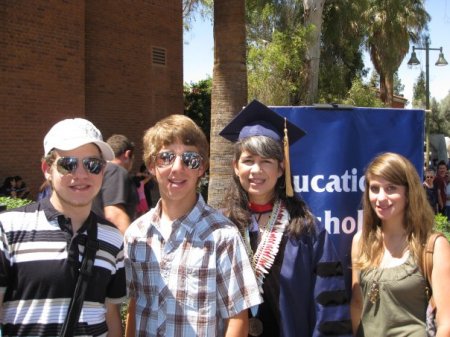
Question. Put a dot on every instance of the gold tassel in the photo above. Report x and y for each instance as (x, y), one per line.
(287, 163)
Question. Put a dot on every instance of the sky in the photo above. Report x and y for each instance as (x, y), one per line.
(199, 53)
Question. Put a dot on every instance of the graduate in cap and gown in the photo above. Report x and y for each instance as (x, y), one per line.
(297, 267)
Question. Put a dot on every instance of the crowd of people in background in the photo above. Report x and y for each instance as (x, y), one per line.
(14, 187)
(437, 187)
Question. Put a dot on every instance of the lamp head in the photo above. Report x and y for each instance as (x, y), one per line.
(441, 60)
(413, 61)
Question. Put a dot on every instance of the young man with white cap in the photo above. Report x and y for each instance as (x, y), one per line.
(44, 245)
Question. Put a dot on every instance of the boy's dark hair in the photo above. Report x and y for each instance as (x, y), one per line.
(442, 162)
(120, 144)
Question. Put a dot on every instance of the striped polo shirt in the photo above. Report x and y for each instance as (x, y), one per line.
(39, 263)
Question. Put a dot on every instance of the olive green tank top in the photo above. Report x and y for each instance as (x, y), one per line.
(400, 306)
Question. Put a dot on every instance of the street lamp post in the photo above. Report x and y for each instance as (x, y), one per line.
(440, 62)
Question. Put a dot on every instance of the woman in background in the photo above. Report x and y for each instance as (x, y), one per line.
(430, 189)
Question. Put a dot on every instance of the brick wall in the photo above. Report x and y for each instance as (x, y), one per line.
(125, 92)
(92, 59)
(41, 78)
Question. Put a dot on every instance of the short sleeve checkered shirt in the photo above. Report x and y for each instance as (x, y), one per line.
(190, 284)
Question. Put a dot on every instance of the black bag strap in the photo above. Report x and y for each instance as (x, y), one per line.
(76, 302)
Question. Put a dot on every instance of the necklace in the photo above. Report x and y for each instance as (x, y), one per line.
(260, 209)
(374, 292)
(270, 237)
(390, 259)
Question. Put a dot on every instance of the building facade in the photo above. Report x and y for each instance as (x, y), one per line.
(116, 63)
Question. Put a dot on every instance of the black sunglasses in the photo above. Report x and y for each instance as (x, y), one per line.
(191, 159)
(66, 165)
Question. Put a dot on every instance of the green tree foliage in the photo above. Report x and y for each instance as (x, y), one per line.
(261, 21)
(363, 95)
(419, 92)
(341, 57)
(442, 224)
(439, 117)
(444, 112)
(374, 80)
(276, 51)
(197, 103)
(193, 9)
(398, 85)
(275, 71)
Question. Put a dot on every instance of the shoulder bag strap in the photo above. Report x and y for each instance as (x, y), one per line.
(427, 262)
(76, 303)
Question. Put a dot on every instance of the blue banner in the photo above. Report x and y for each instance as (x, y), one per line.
(328, 163)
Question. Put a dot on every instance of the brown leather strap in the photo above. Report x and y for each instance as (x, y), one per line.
(427, 262)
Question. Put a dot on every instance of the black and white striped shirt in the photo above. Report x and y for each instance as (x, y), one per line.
(39, 262)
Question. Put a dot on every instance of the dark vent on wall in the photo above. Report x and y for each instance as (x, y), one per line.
(158, 56)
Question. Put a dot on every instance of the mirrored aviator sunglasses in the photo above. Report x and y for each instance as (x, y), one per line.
(68, 165)
(191, 159)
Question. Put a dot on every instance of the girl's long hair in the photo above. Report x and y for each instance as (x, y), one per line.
(236, 198)
(418, 218)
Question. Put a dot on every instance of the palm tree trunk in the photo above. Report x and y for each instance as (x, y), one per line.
(383, 90)
(389, 87)
(229, 89)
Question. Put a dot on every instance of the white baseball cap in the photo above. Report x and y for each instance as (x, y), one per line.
(69, 134)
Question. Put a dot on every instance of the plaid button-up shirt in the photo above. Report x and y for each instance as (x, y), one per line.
(190, 284)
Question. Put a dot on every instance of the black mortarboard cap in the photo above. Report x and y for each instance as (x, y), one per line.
(256, 119)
